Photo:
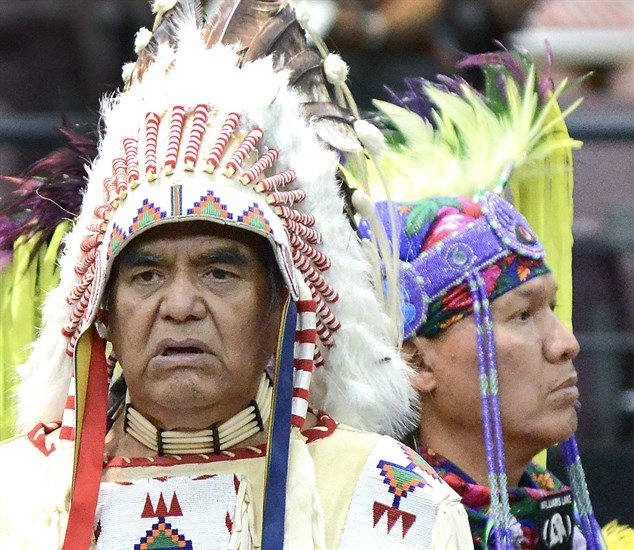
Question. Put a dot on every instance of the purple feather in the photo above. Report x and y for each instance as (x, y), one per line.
(514, 64)
(48, 192)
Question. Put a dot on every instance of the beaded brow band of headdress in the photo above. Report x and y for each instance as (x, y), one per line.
(451, 261)
(302, 235)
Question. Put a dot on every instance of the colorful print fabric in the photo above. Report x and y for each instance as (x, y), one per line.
(536, 483)
(504, 275)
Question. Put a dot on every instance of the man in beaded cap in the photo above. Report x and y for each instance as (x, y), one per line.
(494, 362)
(211, 268)
(478, 310)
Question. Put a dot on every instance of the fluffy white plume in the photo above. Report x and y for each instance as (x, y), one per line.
(335, 69)
(371, 137)
(142, 39)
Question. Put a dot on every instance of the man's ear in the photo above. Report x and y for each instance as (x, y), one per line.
(419, 355)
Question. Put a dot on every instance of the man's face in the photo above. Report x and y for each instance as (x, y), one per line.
(537, 381)
(191, 321)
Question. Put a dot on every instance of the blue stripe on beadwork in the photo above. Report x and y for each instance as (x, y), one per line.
(279, 436)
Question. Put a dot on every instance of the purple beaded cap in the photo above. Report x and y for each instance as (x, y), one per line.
(499, 232)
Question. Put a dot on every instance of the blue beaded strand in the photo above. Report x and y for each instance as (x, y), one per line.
(577, 480)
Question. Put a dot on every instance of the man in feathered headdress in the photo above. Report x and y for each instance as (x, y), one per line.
(210, 271)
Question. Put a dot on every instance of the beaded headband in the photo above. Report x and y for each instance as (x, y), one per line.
(448, 263)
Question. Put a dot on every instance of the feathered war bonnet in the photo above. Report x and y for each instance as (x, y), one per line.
(227, 118)
(454, 151)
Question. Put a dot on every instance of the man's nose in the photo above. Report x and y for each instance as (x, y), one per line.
(560, 344)
(182, 300)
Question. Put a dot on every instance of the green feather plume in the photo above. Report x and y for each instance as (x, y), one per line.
(514, 133)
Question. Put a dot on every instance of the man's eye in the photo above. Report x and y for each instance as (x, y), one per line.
(220, 274)
(524, 315)
(146, 276)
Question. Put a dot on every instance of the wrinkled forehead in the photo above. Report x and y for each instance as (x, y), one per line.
(201, 238)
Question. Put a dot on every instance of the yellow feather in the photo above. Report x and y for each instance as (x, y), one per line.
(618, 537)
(24, 284)
(542, 191)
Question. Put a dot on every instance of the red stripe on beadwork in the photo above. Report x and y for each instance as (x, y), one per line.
(306, 336)
(314, 277)
(306, 306)
(247, 145)
(297, 421)
(277, 180)
(264, 162)
(152, 121)
(131, 148)
(84, 263)
(91, 241)
(176, 133)
(301, 393)
(70, 402)
(304, 364)
(120, 174)
(286, 197)
(321, 261)
(79, 288)
(311, 235)
(70, 349)
(67, 433)
(295, 215)
(324, 334)
(199, 122)
(97, 226)
(103, 211)
(218, 149)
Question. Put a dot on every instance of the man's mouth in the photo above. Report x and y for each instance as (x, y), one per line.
(182, 351)
(190, 346)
